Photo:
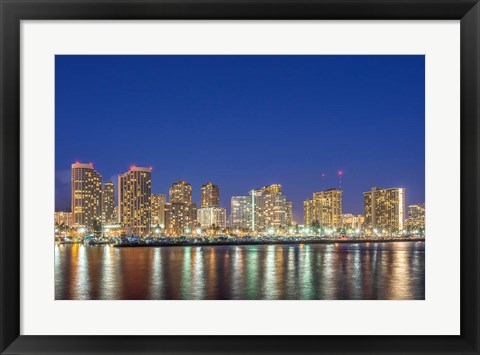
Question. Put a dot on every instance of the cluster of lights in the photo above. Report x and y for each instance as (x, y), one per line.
(270, 231)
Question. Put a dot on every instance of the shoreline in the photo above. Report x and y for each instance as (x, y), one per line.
(280, 242)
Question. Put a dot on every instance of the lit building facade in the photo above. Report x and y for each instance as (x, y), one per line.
(241, 212)
(179, 218)
(181, 192)
(86, 196)
(63, 219)
(269, 208)
(212, 218)
(274, 189)
(416, 217)
(325, 208)
(384, 210)
(158, 202)
(209, 195)
(310, 213)
(134, 208)
(353, 222)
(108, 200)
(181, 213)
(289, 213)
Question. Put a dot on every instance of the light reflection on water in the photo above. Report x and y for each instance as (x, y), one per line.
(306, 271)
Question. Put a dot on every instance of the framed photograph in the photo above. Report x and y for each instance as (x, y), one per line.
(239, 177)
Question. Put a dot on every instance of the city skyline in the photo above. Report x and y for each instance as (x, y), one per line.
(140, 212)
(250, 121)
(219, 197)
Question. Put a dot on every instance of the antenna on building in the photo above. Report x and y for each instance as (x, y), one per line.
(323, 180)
(340, 174)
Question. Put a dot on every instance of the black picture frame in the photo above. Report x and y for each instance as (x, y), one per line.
(13, 11)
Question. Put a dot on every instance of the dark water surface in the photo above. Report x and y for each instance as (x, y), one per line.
(393, 270)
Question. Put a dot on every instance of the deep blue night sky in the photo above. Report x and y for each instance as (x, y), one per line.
(245, 122)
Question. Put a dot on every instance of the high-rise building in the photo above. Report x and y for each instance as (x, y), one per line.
(384, 209)
(311, 212)
(63, 219)
(181, 192)
(181, 213)
(272, 189)
(289, 213)
(241, 212)
(108, 200)
(212, 217)
(269, 207)
(86, 196)
(134, 209)
(179, 218)
(115, 214)
(325, 208)
(209, 195)
(158, 202)
(416, 217)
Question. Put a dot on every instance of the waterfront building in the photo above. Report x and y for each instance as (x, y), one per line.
(212, 218)
(180, 218)
(360, 222)
(108, 200)
(416, 217)
(353, 222)
(134, 208)
(241, 212)
(181, 213)
(158, 202)
(324, 209)
(168, 206)
(289, 213)
(181, 192)
(384, 210)
(86, 196)
(209, 195)
(310, 214)
(63, 219)
(269, 208)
